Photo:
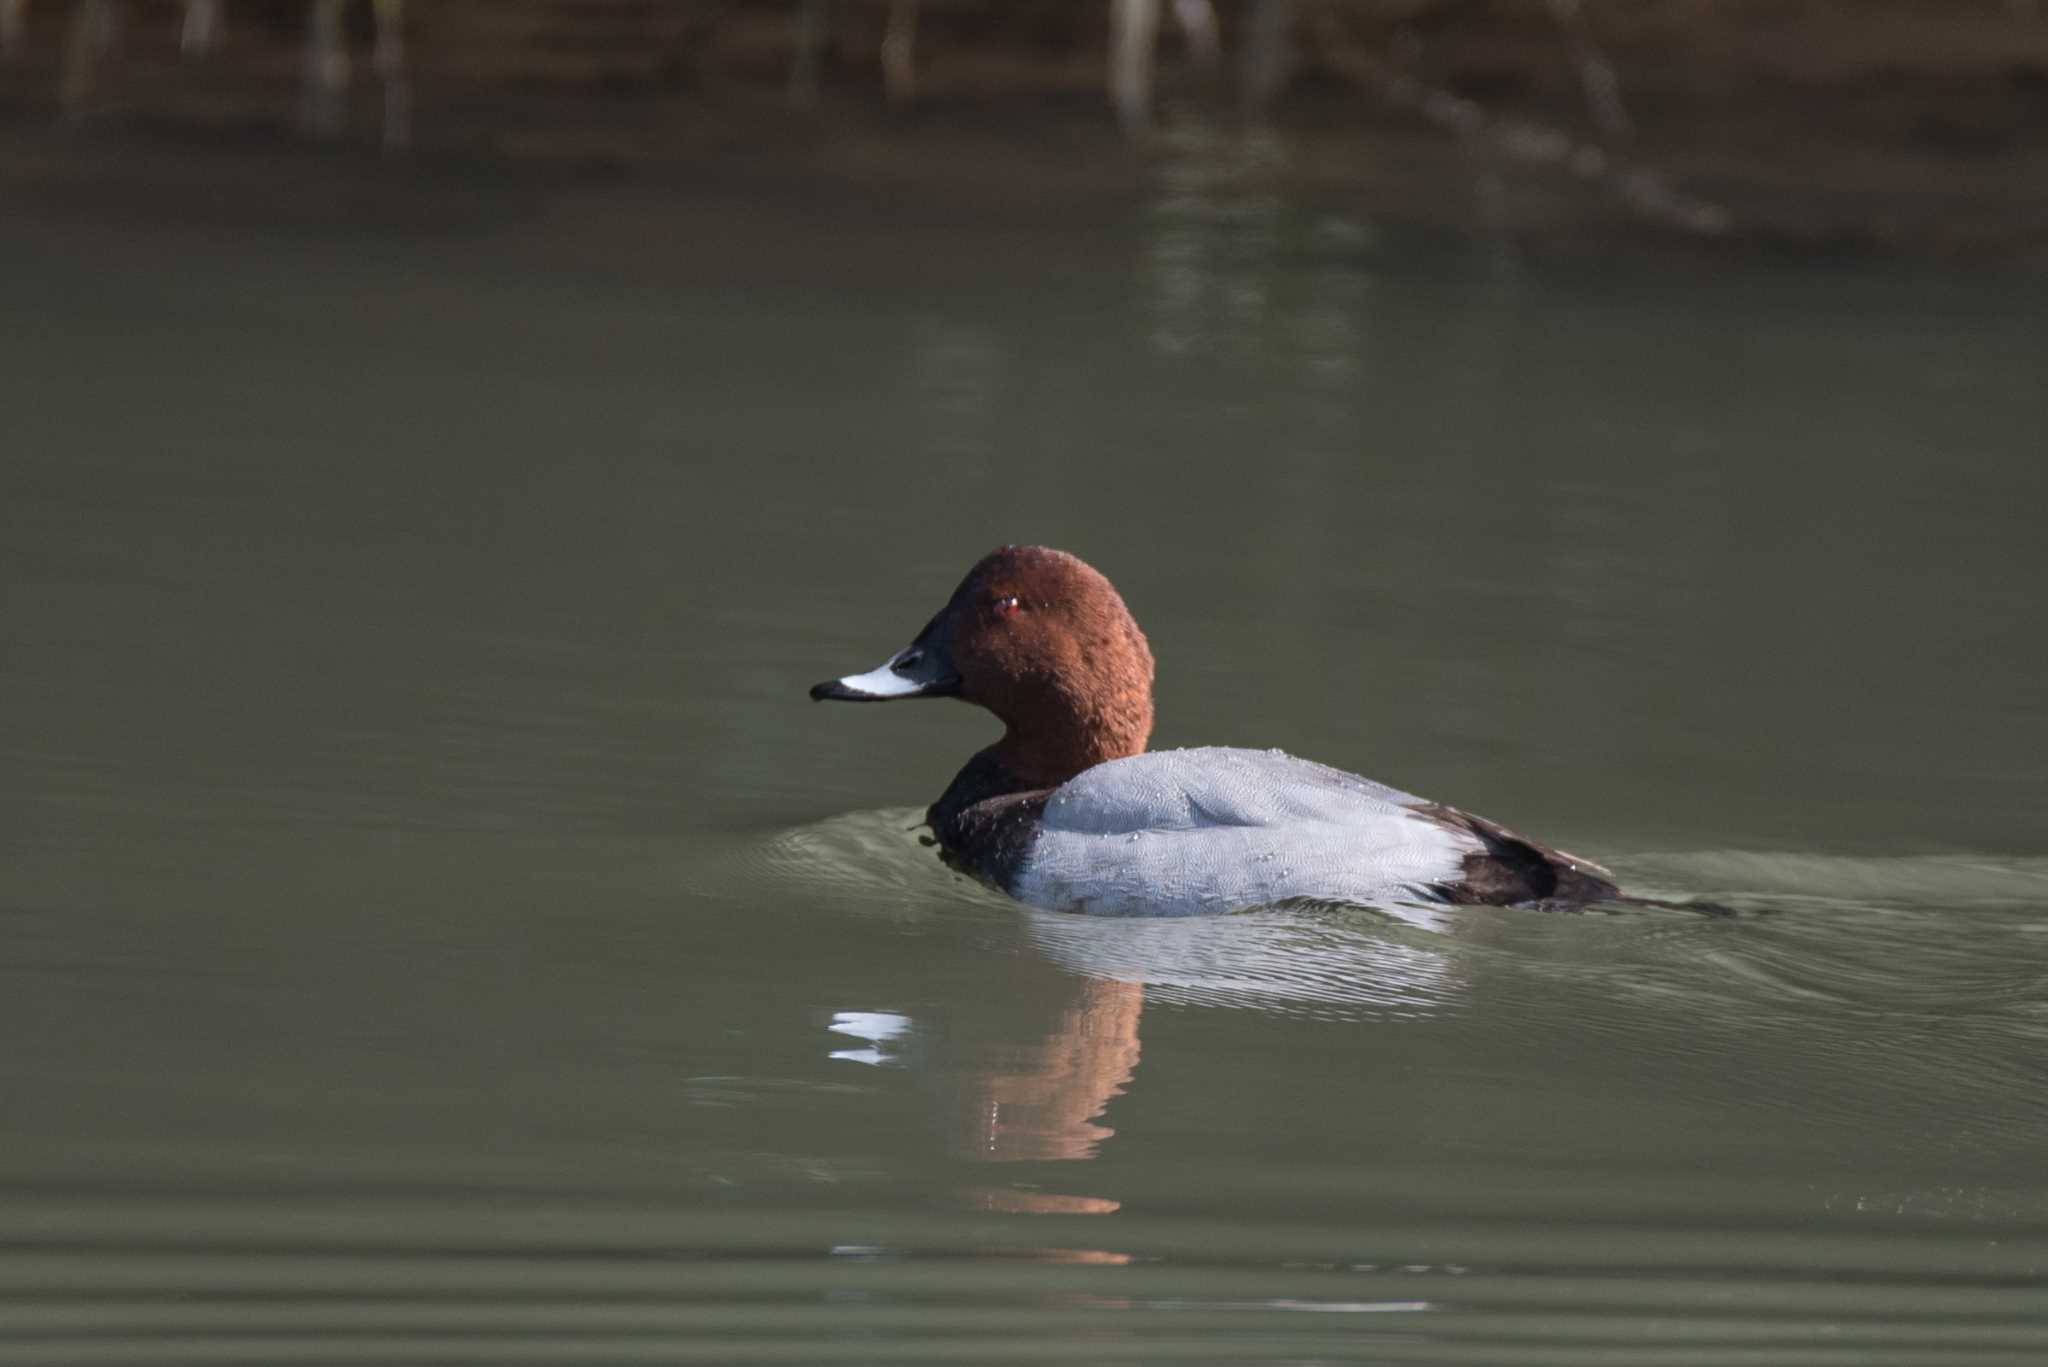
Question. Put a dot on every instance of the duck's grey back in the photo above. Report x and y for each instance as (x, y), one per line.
(1182, 832)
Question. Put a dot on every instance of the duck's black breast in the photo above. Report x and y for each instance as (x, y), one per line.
(992, 839)
(986, 820)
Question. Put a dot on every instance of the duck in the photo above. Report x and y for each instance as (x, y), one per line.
(1069, 811)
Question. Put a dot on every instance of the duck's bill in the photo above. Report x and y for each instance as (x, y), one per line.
(911, 673)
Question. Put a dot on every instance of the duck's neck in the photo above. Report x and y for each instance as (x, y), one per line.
(1039, 759)
(1064, 732)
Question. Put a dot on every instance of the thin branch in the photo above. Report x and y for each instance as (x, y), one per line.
(1524, 140)
(1597, 76)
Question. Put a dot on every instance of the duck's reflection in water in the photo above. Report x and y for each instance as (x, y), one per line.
(1395, 962)
(1047, 1103)
(1027, 1065)
(1046, 1100)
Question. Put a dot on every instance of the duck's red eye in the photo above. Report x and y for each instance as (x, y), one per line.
(1007, 607)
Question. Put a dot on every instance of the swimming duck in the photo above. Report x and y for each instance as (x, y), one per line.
(1070, 812)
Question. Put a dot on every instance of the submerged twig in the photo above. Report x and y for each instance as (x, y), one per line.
(389, 60)
(94, 24)
(807, 47)
(326, 69)
(1268, 52)
(1523, 140)
(1197, 20)
(1133, 51)
(1133, 37)
(199, 34)
(1597, 76)
(899, 53)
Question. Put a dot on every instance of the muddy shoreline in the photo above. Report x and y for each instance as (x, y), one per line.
(1906, 128)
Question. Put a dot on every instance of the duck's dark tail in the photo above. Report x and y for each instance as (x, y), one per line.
(1509, 869)
(1513, 870)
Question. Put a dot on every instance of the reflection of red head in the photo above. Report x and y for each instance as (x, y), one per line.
(1046, 1108)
